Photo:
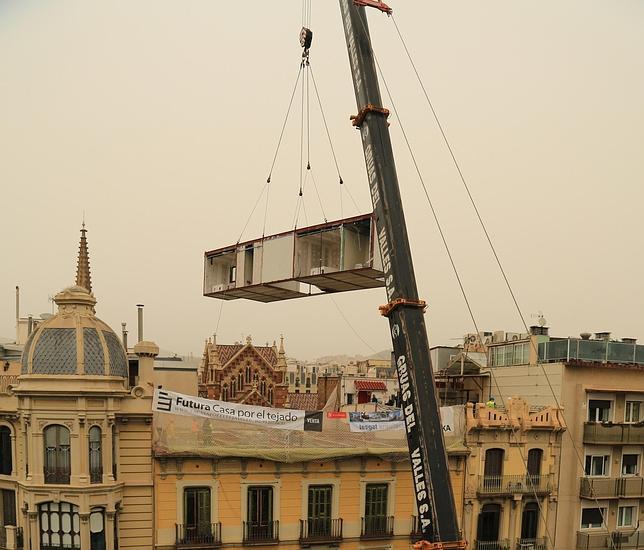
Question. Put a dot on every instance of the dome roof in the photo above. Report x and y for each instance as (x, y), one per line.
(75, 341)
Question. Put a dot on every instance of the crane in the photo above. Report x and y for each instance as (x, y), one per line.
(433, 491)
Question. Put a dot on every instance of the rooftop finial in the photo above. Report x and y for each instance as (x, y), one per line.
(83, 277)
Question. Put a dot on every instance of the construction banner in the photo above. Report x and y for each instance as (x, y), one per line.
(452, 420)
(284, 419)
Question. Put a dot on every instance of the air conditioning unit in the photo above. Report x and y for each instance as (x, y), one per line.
(498, 336)
(512, 336)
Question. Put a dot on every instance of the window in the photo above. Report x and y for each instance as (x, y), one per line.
(224, 393)
(535, 457)
(599, 410)
(488, 524)
(493, 470)
(6, 458)
(197, 524)
(233, 388)
(248, 374)
(97, 529)
(262, 387)
(8, 503)
(95, 455)
(57, 454)
(240, 380)
(597, 465)
(59, 526)
(270, 395)
(375, 512)
(260, 514)
(349, 399)
(591, 518)
(319, 510)
(626, 516)
(630, 464)
(114, 455)
(632, 412)
(530, 521)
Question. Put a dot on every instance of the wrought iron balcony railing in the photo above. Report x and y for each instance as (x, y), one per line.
(492, 544)
(261, 532)
(320, 530)
(377, 527)
(207, 535)
(532, 544)
(515, 485)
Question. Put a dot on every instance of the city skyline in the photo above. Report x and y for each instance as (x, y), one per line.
(159, 126)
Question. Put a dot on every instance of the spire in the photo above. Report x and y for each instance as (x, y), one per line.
(83, 277)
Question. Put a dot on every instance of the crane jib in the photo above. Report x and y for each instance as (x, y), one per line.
(427, 455)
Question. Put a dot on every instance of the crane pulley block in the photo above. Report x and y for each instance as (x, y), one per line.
(386, 310)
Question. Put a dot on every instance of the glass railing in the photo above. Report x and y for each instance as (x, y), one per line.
(595, 351)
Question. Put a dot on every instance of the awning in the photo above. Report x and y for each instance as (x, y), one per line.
(370, 385)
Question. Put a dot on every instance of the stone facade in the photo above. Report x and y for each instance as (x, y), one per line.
(245, 373)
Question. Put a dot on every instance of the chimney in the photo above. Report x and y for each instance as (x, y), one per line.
(124, 333)
(602, 336)
(17, 313)
(537, 330)
(629, 340)
(140, 312)
(30, 325)
(585, 335)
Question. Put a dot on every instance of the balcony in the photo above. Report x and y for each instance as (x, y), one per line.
(532, 544)
(617, 540)
(11, 538)
(611, 487)
(261, 533)
(607, 433)
(204, 535)
(515, 485)
(377, 527)
(590, 351)
(315, 530)
(492, 544)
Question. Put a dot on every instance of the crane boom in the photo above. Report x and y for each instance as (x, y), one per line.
(433, 491)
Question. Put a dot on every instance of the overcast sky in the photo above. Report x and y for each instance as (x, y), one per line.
(159, 120)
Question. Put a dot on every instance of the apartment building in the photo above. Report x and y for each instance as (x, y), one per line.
(598, 382)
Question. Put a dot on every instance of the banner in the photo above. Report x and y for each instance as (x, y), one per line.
(452, 420)
(284, 419)
(376, 421)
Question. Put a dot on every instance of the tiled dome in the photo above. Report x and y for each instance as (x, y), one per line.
(74, 341)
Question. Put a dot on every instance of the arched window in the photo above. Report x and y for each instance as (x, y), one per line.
(488, 523)
(224, 393)
(97, 529)
(95, 455)
(493, 471)
(59, 526)
(233, 388)
(57, 467)
(240, 380)
(249, 374)
(529, 522)
(270, 395)
(535, 457)
(6, 458)
(262, 387)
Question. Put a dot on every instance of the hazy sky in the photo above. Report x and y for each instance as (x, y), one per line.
(159, 120)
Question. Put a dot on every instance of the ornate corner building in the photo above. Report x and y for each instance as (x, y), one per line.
(75, 467)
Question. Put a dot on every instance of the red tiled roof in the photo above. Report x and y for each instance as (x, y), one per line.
(227, 352)
(370, 385)
(303, 401)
